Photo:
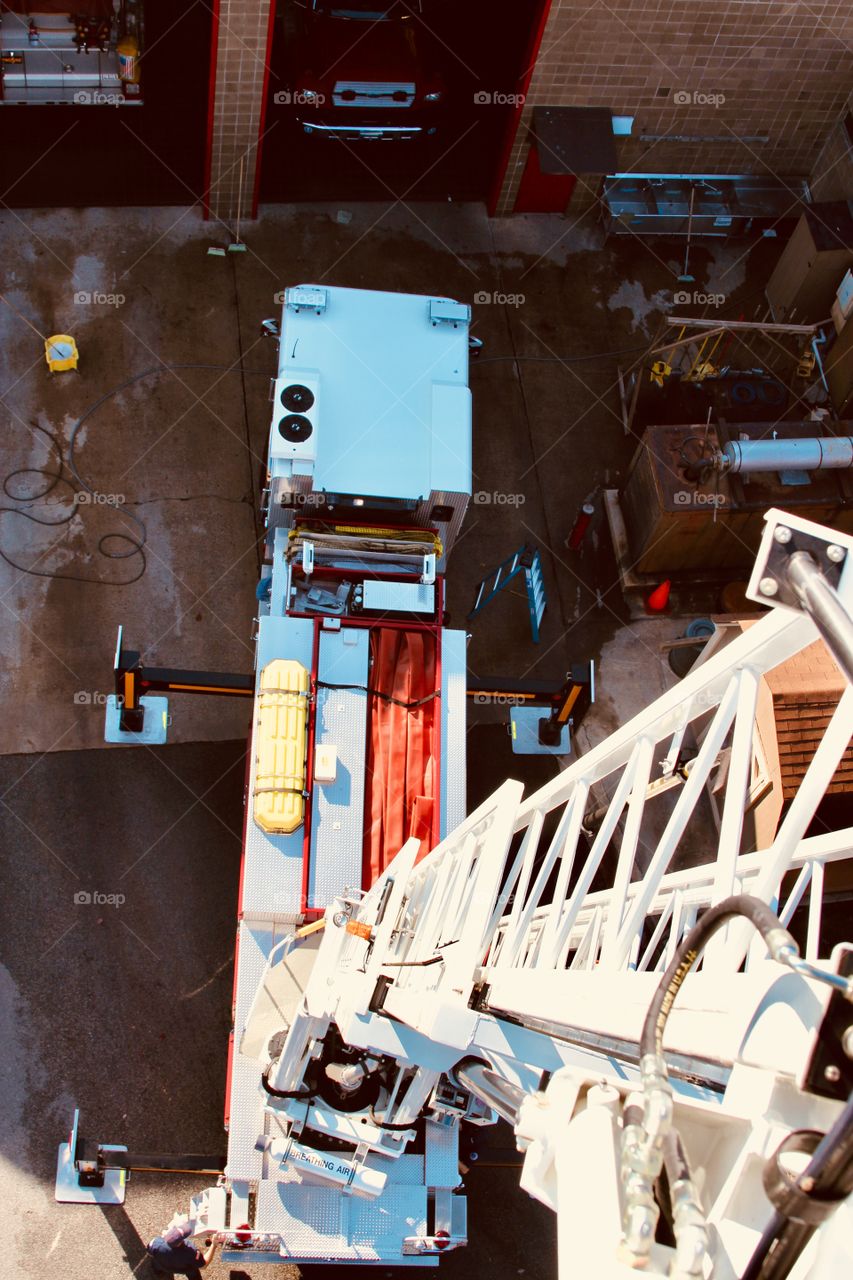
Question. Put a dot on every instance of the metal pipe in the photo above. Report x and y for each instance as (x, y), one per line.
(823, 606)
(819, 340)
(347, 1076)
(478, 1078)
(827, 453)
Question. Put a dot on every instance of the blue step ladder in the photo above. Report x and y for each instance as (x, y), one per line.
(527, 561)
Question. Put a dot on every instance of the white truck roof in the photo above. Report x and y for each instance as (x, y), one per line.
(390, 409)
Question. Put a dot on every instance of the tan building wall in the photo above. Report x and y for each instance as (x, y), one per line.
(699, 77)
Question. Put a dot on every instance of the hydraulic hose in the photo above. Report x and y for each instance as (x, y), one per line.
(828, 1178)
(688, 1220)
(646, 1141)
(675, 1159)
(393, 1128)
(758, 914)
(300, 1095)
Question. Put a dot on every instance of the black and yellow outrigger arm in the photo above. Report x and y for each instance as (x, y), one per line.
(566, 701)
(133, 681)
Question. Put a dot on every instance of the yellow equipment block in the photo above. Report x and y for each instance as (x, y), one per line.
(61, 353)
(280, 733)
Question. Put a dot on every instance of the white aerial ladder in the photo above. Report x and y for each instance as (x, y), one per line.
(676, 1074)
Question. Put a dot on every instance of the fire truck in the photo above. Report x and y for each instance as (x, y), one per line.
(676, 1067)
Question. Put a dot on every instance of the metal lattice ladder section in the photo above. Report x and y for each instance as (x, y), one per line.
(506, 903)
(533, 937)
(527, 561)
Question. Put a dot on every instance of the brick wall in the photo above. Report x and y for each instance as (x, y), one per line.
(238, 96)
(832, 175)
(688, 69)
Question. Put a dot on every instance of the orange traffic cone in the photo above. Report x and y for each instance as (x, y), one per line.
(657, 601)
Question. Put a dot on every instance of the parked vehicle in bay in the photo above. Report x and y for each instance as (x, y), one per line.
(368, 70)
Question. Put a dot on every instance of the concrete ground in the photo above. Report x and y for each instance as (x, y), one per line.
(174, 458)
(124, 1009)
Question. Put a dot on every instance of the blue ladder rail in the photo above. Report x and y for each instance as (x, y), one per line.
(527, 561)
(537, 601)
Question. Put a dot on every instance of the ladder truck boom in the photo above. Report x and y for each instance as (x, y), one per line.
(676, 1072)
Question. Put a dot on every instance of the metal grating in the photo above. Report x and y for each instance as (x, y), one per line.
(247, 1097)
(337, 808)
(404, 1171)
(319, 1223)
(254, 941)
(245, 1125)
(280, 576)
(441, 1166)
(448, 530)
(453, 729)
(380, 1222)
(272, 864)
